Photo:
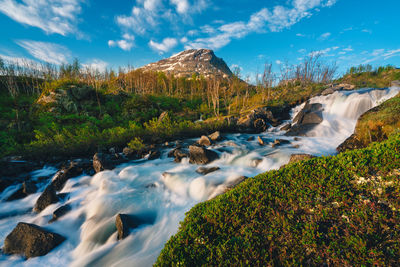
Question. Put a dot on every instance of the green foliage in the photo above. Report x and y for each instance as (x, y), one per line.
(136, 144)
(341, 210)
(365, 76)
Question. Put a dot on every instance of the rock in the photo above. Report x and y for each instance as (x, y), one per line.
(124, 223)
(299, 157)
(31, 241)
(178, 154)
(256, 121)
(13, 167)
(308, 108)
(260, 125)
(215, 136)
(279, 142)
(260, 141)
(102, 162)
(286, 127)
(204, 141)
(129, 153)
(61, 211)
(350, 143)
(65, 174)
(328, 91)
(306, 119)
(27, 188)
(236, 182)
(205, 171)
(395, 83)
(47, 198)
(251, 138)
(312, 118)
(301, 130)
(201, 155)
(154, 155)
(255, 162)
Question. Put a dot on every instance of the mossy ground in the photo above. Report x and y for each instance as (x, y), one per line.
(338, 210)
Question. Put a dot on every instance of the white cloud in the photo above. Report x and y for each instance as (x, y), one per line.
(302, 51)
(300, 35)
(184, 40)
(391, 53)
(166, 45)
(47, 52)
(123, 44)
(96, 64)
(348, 49)
(52, 16)
(182, 6)
(367, 31)
(274, 20)
(278, 62)
(325, 36)
(128, 37)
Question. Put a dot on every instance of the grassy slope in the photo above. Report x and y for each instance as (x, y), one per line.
(376, 124)
(341, 210)
(374, 79)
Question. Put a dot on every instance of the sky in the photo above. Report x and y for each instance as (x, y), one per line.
(245, 33)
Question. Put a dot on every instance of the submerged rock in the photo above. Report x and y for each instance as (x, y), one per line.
(31, 240)
(47, 198)
(27, 188)
(65, 174)
(279, 142)
(286, 127)
(260, 141)
(205, 170)
(154, 155)
(201, 155)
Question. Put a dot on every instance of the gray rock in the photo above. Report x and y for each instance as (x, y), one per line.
(201, 155)
(286, 127)
(124, 223)
(205, 170)
(31, 240)
(279, 142)
(102, 162)
(61, 211)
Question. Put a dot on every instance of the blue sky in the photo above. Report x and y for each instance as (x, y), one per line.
(245, 33)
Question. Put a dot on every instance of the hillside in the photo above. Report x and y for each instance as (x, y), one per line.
(202, 62)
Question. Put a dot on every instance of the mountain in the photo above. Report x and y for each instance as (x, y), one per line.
(200, 61)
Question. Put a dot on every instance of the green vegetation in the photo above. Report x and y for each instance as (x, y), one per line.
(365, 76)
(339, 210)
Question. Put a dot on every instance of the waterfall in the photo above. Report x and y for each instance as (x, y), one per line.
(166, 190)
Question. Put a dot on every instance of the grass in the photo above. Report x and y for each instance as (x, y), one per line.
(339, 210)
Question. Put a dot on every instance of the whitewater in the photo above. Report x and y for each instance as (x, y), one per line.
(164, 190)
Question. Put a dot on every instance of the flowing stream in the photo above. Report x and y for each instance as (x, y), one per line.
(142, 188)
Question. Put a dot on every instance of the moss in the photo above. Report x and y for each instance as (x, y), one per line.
(339, 210)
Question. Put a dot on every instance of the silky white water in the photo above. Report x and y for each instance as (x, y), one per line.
(164, 190)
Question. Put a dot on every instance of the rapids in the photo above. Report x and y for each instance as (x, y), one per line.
(140, 188)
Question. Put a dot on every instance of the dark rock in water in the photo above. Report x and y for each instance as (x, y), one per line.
(251, 138)
(279, 142)
(216, 136)
(178, 154)
(308, 109)
(13, 168)
(301, 130)
(328, 91)
(286, 127)
(201, 155)
(205, 170)
(61, 211)
(260, 125)
(204, 141)
(103, 161)
(124, 223)
(350, 143)
(154, 155)
(31, 241)
(65, 174)
(256, 121)
(129, 153)
(236, 182)
(255, 162)
(47, 198)
(312, 118)
(27, 188)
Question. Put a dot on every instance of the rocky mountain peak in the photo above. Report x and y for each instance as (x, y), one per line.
(184, 64)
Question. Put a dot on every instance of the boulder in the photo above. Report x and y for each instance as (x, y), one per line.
(350, 143)
(61, 211)
(328, 91)
(31, 240)
(306, 119)
(260, 125)
(204, 141)
(65, 174)
(286, 127)
(47, 198)
(155, 154)
(216, 136)
(103, 162)
(251, 138)
(279, 142)
(255, 162)
(27, 188)
(205, 170)
(236, 182)
(258, 120)
(129, 153)
(308, 108)
(201, 155)
(124, 223)
(301, 130)
(178, 154)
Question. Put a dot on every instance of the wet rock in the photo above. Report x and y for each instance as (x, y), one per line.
(47, 198)
(286, 127)
(255, 162)
(258, 120)
(260, 141)
(27, 188)
(350, 143)
(201, 155)
(124, 223)
(205, 170)
(236, 182)
(301, 130)
(154, 155)
(61, 211)
(279, 142)
(129, 153)
(215, 136)
(103, 162)
(251, 138)
(204, 141)
(178, 154)
(306, 120)
(65, 174)
(31, 241)
(328, 91)
(260, 125)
